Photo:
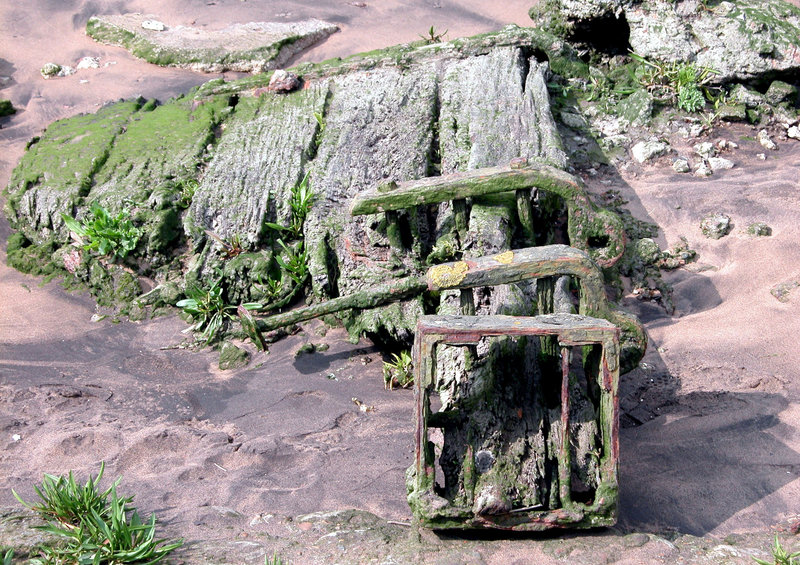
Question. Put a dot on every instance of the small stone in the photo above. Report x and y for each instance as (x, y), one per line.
(305, 348)
(696, 130)
(635, 540)
(703, 170)
(646, 150)
(705, 149)
(636, 109)
(283, 81)
(50, 70)
(759, 229)
(681, 165)
(724, 144)
(232, 357)
(732, 112)
(648, 250)
(793, 132)
(484, 460)
(782, 291)
(573, 120)
(720, 164)
(762, 156)
(743, 95)
(765, 141)
(153, 25)
(780, 92)
(715, 226)
(89, 63)
(16, 437)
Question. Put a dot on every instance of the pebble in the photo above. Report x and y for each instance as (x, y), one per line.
(283, 81)
(696, 130)
(793, 132)
(153, 25)
(720, 163)
(703, 170)
(715, 226)
(705, 149)
(646, 150)
(681, 165)
(89, 63)
(765, 141)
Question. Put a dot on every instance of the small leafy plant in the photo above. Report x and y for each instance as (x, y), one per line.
(320, 129)
(398, 371)
(8, 556)
(65, 501)
(433, 37)
(112, 236)
(300, 202)
(187, 189)
(232, 247)
(295, 262)
(209, 311)
(780, 556)
(98, 527)
(274, 560)
(679, 81)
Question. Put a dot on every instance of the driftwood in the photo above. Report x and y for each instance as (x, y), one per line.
(594, 230)
(503, 268)
(477, 182)
(509, 457)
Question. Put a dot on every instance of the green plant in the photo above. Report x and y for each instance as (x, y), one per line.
(679, 81)
(300, 203)
(208, 310)
(269, 289)
(98, 528)
(113, 236)
(7, 556)
(398, 371)
(232, 248)
(65, 501)
(296, 262)
(780, 556)
(320, 128)
(690, 99)
(433, 37)
(598, 87)
(187, 189)
(274, 560)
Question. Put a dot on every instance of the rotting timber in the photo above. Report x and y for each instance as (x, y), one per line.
(551, 460)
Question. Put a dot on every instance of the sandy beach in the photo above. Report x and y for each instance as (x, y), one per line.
(710, 442)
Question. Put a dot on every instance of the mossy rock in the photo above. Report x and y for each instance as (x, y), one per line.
(232, 357)
(6, 108)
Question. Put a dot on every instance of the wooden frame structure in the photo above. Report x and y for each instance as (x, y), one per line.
(571, 331)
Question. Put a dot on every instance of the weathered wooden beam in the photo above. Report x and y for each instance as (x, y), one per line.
(518, 265)
(466, 184)
(502, 268)
(587, 224)
(391, 292)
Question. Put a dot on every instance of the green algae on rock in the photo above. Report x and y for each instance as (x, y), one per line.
(252, 47)
(393, 115)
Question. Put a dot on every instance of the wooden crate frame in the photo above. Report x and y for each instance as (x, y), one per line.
(570, 330)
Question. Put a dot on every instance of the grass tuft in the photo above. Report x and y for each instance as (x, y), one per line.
(96, 527)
